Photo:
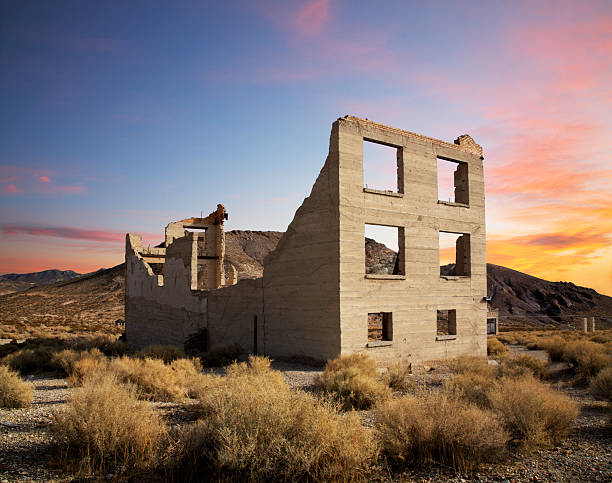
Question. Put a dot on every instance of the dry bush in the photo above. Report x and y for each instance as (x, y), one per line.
(555, 346)
(167, 353)
(521, 365)
(221, 355)
(601, 385)
(154, 379)
(14, 392)
(533, 413)
(255, 428)
(587, 357)
(399, 378)
(495, 348)
(107, 344)
(471, 364)
(602, 337)
(507, 338)
(104, 426)
(353, 381)
(78, 364)
(437, 427)
(30, 361)
(472, 387)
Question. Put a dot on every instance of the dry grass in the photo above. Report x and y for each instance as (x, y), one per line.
(14, 392)
(32, 361)
(601, 385)
(107, 344)
(535, 415)
(495, 348)
(352, 380)
(166, 353)
(105, 426)
(254, 427)
(78, 364)
(221, 355)
(587, 357)
(472, 387)
(521, 365)
(399, 378)
(472, 365)
(439, 428)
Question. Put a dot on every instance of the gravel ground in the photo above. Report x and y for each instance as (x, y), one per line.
(585, 456)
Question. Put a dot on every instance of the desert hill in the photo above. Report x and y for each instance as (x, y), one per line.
(95, 301)
(14, 282)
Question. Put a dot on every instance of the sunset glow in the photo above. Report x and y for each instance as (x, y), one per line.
(113, 121)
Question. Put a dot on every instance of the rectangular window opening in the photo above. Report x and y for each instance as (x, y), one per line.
(382, 167)
(447, 322)
(491, 326)
(383, 254)
(380, 326)
(454, 249)
(453, 181)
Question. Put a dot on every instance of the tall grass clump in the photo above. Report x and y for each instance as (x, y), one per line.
(14, 392)
(399, 378)
(31, 361)
(555, 346)
(601, 385)
(587, 357)
(79, 364)
(104, 426)
(472, 387)
(166, 353)
(522, 365)
(495, 348)
(439, 428)
(472, 365)
(534, 414)
(253, 427)
(353, 381)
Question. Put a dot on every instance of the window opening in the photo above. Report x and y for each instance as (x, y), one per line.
(447, 322)
(380, 326)
(454, 249)
(453, 181)
(382, 250)
(382, 167)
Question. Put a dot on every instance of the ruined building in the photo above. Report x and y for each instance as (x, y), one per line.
(315, 298)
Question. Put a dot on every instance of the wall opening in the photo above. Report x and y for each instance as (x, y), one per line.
(447, 322)
(453, 181)
(491, 326)
(383, 255)
(380, 326)
(382, 167)
(454, 250)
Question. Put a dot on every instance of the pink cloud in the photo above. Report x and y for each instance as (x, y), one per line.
(11, 189)
(44, 179)
(310, 19)
(96, 235)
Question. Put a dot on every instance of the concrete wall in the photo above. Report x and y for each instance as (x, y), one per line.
(415, 297)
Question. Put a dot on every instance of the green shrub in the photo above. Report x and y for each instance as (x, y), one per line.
(255, 428)
(438, 428)
(353, 381)
(105, 427)
(14, 392)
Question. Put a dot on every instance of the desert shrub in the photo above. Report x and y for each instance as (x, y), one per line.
(167, 353)
(507, 338)
(437, 427)
(221, 355)
(521, 365)
(534, 414)
(154, 379)
(71, 362)
(107, 344)
(105, 426)
(602, 337)
(587, 357)
(353, 381)
(472, 387)
(14, 392)
(399, 378)
(555, 346)
(601, 385)
(31, 361)
(471, 364)
(255, 428)
(495, 348)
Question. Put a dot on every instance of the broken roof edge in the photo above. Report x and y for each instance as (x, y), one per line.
(464, 142)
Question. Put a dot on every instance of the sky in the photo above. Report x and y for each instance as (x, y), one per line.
(121, 116)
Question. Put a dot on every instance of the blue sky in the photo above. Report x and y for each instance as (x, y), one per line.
(120, 116)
